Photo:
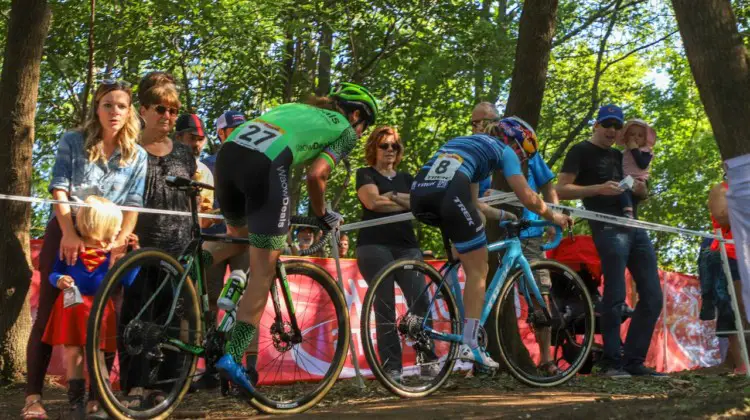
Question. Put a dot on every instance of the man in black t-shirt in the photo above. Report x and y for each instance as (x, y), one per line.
(591, 172)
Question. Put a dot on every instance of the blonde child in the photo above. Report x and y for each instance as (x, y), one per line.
(98, 226)
(638, 138)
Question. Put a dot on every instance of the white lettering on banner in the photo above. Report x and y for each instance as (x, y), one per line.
(351, 294)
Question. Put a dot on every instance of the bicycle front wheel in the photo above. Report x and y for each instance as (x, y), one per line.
(407, 314)
(296, 371)
(140, 318)
(537, 350)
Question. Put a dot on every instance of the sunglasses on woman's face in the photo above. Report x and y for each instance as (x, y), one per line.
(611, 123)
(161, 109)
(387, 146)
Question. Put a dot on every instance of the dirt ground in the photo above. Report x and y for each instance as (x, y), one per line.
(687, 395)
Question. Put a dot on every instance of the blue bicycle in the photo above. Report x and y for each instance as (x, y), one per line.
(412, 318)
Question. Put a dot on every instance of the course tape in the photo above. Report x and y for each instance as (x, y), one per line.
(493, 200)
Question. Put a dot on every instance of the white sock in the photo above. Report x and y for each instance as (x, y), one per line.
(471, 331)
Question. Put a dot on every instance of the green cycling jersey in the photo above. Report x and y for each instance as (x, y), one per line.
(306, 131)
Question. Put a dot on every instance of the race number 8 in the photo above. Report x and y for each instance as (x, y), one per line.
(444, 168)
(257, 136)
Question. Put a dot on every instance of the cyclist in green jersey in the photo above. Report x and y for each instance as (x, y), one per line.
(252, 187)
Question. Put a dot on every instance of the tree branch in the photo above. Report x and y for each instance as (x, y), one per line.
(90, 73)
(572, 135)
(641, 48)
(603, 11)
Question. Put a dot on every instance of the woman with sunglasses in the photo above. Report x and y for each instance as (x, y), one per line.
(101, 158)
(159, 108)
(384, 191)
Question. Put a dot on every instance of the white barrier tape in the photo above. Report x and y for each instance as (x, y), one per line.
(511, 199)
(123, 208)
(493, 200)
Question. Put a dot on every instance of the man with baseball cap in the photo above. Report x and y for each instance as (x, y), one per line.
(591, 171)
(225, 124)
(191, 131)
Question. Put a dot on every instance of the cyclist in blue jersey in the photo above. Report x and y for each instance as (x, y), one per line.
(445, 193)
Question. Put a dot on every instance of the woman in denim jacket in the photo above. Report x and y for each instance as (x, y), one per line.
(102, 158)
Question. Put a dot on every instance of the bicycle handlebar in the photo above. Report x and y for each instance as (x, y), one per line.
(186, 183)
(514, 229)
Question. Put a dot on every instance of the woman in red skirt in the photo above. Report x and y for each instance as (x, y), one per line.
(98, 226)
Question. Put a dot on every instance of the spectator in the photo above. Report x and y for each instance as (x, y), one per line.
(225, 125)
(159, 105)
(306, 237)
(638, 138)
(98, 225)
(540, 179)
(383, 192)
(343, 245)
(591, 172)
(108, 163)
(191, 132)
(717, 302)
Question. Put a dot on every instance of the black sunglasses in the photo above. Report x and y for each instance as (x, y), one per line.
(161, 109)
(386, 146)
(611, 123)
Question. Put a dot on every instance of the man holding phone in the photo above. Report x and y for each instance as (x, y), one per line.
(592, 171)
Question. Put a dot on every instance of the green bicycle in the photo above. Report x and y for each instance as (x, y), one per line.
(303, 335)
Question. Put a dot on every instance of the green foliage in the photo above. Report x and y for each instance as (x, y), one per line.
(428, 61)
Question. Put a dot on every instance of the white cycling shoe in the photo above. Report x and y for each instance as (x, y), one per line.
(477, 355)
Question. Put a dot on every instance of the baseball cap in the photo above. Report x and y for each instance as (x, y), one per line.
(230, 119)
(190, 123)
(609, 112)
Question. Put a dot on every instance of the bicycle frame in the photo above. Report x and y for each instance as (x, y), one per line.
(513, 258)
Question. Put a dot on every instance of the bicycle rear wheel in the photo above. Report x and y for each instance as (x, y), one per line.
(537, 351)
(294, 375)
(408, 360)
(131, 312)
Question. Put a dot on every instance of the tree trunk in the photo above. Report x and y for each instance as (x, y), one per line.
(535, 33)
(536, 30)
(324, 60)
(480, 62)
(288, 90)
(721, 68)
(90, 73)
(19, 86)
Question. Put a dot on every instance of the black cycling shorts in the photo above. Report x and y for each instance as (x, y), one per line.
(449, 206)
(252, 190)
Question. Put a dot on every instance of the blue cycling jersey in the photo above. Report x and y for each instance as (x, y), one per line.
(476, 156)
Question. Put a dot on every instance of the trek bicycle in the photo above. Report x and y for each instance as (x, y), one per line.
(303, 335)
(526, 326)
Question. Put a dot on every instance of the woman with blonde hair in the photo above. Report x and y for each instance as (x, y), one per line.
(102, 158)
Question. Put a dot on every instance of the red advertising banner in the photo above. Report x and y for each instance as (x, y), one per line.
(680, 341)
